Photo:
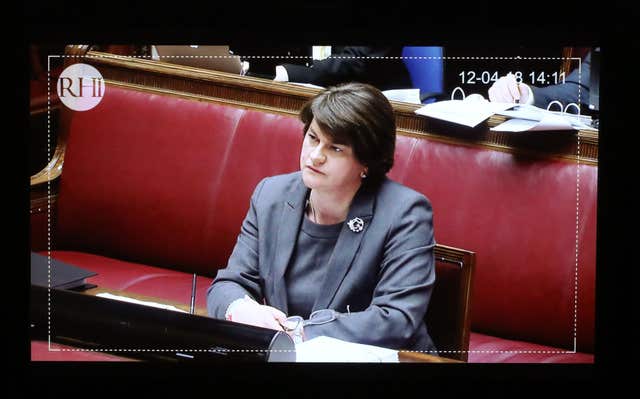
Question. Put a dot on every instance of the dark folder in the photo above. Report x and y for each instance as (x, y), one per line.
(61, 275)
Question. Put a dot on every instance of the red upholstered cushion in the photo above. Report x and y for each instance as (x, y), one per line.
(488, 349)
(519, 216)
(40, 351)
(255, 154)
(401, 166)
(166, 181)
(137, 278)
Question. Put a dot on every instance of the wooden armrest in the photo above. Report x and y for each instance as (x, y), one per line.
(449, 315)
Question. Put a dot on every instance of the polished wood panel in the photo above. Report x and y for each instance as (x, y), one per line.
(73, 54)
(418, 357)
(200, 311)
(288, 98)
(449, 314)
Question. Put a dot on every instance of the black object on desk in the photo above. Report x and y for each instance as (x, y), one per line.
(58, 274)
(193, 295)
(139, 331)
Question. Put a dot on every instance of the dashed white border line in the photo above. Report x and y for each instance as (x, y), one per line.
(575, 288)
(310, 57)
(49, 202)
(288, 350)
(575, 310)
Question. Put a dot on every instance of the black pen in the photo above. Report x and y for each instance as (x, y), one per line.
(517, 100)
(193, 294)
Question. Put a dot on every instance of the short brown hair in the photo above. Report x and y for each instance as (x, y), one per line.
(358, 115)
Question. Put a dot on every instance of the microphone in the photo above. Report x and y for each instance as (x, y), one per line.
(193, 295)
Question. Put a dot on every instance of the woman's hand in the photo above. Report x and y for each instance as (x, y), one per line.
(294, 326)
(247, 311)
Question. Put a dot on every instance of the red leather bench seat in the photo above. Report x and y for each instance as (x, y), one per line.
(164, 181)
(491, 349)
(117, 275)
(155, 187)
(62, 353)
(519, 215)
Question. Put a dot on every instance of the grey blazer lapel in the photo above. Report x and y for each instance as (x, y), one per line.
(346, 247)
(289, 226)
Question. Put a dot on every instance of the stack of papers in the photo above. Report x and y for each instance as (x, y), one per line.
(463, 112)
(145, 303)
(531, 118)
(406, 95)
(307, 85)
(523, 117)
(332, 350)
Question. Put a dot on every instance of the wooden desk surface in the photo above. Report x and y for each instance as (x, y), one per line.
(417, 357)
(101, 290)
(403, 356)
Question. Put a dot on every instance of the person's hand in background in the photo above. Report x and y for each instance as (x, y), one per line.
(508, 90)
(281, 74)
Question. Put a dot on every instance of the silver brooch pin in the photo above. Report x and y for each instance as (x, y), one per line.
(356, 225)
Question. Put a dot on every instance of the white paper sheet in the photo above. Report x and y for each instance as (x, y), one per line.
(549, 122)
(464, 112)
(332, 350)
(407, 95)
(531, 118)
(307, 85)
(146, 303)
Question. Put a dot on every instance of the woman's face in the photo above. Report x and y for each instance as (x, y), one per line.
(326, 165)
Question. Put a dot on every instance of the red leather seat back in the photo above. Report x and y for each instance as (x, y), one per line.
(519, 216)
(166, 181)
(263, 145)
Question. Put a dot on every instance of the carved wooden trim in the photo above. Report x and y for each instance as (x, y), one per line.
(498, 144)
(200, 97)
(53, 170)
(286, 98)
(453, 253)
(73, 54)
(466, 261)
(72, 51)
(43, 195)
(418, 357)
(41, 205)
(42, 110)
(256, 93)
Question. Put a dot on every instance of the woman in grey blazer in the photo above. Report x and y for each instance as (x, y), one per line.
(336, 243)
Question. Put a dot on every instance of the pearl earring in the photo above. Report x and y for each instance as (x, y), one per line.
(363, 175)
